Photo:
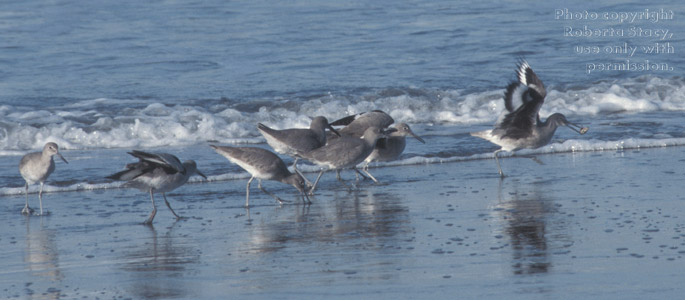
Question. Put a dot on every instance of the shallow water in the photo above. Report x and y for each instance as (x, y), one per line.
(600, 218)
(100, 75)
(564, 228)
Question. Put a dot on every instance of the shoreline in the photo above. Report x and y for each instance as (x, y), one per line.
(586, 219)
(573, 146)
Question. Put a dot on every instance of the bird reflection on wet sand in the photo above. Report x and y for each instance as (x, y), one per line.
(355, 213)
(348, 226)
(157, 265)
(527, 217)
(42, 259)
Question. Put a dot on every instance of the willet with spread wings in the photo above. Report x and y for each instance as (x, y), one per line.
(520, 126)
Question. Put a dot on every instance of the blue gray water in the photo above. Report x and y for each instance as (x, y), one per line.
(101, 78)
(128, 75)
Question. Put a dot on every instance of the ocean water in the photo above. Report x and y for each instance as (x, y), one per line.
(101, 78)
(94, 76)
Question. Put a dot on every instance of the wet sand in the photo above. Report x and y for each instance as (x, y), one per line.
(603, 225)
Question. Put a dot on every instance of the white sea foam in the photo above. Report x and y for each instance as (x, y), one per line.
(566, 146)
(116, 123)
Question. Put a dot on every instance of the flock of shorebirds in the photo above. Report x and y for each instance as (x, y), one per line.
(364, 138)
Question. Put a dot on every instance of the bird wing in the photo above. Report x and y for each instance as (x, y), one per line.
(383, 118)
(279, 134)
(513, 96)
(529, 78)
(252, 158)
(520, 123)
(357, 124)
(522, 99)
(344, 121)
(261, 159)
(170, 163)
(295, 139)
(341, 152)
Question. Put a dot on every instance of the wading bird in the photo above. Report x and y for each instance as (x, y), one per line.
(520, 126)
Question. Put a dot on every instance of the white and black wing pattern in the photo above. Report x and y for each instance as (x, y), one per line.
(527, 88)
(523, 100)
(529, 78)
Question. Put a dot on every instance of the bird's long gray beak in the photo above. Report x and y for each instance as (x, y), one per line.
(62, 157)
(332, 129)
(417, 137)
(200, 173)
(577, 128)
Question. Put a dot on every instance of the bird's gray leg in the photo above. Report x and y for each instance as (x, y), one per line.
(154, 210)
(169, 206)
(498, 166)
(311, 191)
(259, 181)
(357, 174)
(247, 192)
(27, 210)
(366, 170)
(295, 164)
(306, 181)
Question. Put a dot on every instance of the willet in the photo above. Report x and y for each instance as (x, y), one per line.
(392, 147)
(262, 164)
(36, 167)
(356, 125)
(157, 172)
(520, 126)
(295, 141)
(344, 152)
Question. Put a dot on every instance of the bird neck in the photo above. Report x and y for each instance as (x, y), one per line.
(46, 157)
(547, 130)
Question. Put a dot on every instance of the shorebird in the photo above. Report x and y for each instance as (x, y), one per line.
(295, 141)
(36, 167)
(520, 126)
(356, 125)
(157, 172)
(344, 152)
(262, 164)
(392, 147)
